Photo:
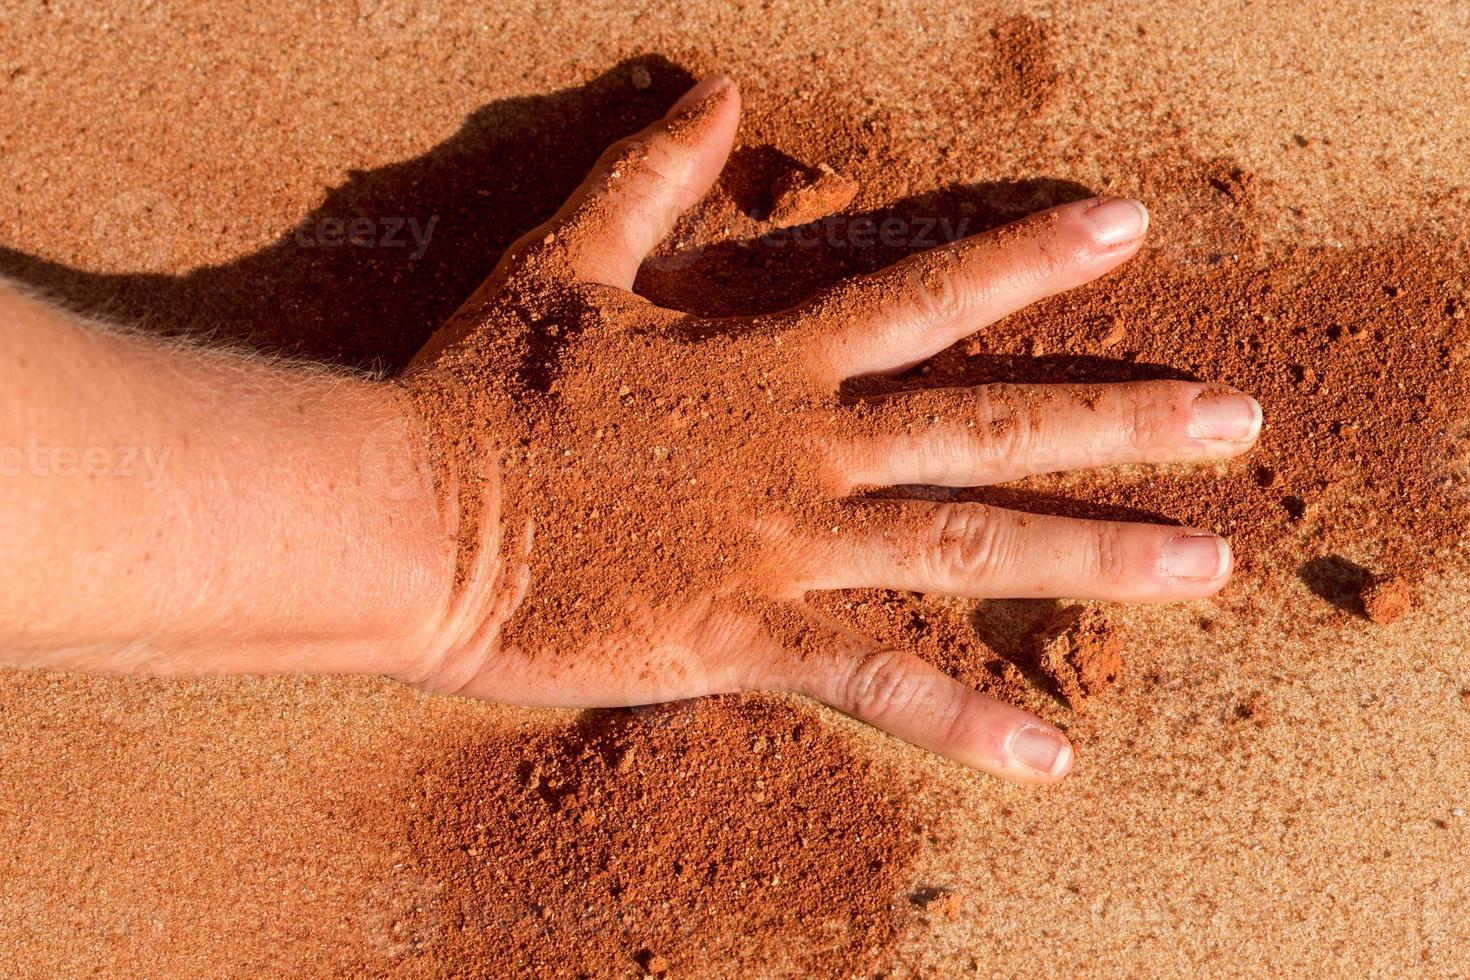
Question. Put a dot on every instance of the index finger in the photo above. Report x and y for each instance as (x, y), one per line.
(894, 318)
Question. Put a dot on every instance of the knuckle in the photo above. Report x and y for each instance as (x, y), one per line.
(966, 540)
(1029, 425)
(625, 167)
(995, 413)
(1108, 555)
(1147, 430)
(452, 672)
(879, 686)
(1008, 437)
(969, 724)
(990, 403)
(645, 155)
(935, 292)
(1057, 252)
(1051, 256)
(625, 153)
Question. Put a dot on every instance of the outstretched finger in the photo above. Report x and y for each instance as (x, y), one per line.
(977, 551)
(895, 318)
(640, 185)
(965, 437)
(903, 695)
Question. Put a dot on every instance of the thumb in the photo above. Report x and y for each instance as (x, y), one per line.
(641, 184)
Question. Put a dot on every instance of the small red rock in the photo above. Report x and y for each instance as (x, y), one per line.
(802, 197)
(1115, 336)
(1081, 651)
(1386, 598)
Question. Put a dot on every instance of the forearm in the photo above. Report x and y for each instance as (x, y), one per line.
(188, 512)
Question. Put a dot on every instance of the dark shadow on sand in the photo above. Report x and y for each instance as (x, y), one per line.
(1337, 580)
(506, 170)
(508, 167)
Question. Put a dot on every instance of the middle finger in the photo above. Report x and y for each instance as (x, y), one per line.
(994, 433)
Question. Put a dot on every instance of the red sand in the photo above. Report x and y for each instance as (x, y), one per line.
(1275, 785)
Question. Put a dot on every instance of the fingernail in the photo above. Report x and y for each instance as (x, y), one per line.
(1195, 556)
(706, 89)
(1225, 415)
(1117, 221)
(1042, 750)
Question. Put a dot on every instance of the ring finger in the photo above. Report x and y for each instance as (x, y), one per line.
(977, 551)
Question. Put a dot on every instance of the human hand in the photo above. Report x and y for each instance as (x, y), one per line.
(642, 498)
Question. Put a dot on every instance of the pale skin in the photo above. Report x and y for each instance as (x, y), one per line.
(178, 511)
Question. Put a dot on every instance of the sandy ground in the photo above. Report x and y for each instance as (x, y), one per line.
(1272, 795)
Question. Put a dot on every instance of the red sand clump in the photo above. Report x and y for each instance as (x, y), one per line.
(698, 837)
(943, 903)
(1081, 653)
(1386, 599)
(803, 196)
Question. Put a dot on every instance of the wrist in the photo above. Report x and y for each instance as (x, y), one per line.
(338, 560)
(459, 467)
(286, 520)
(405, 549)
